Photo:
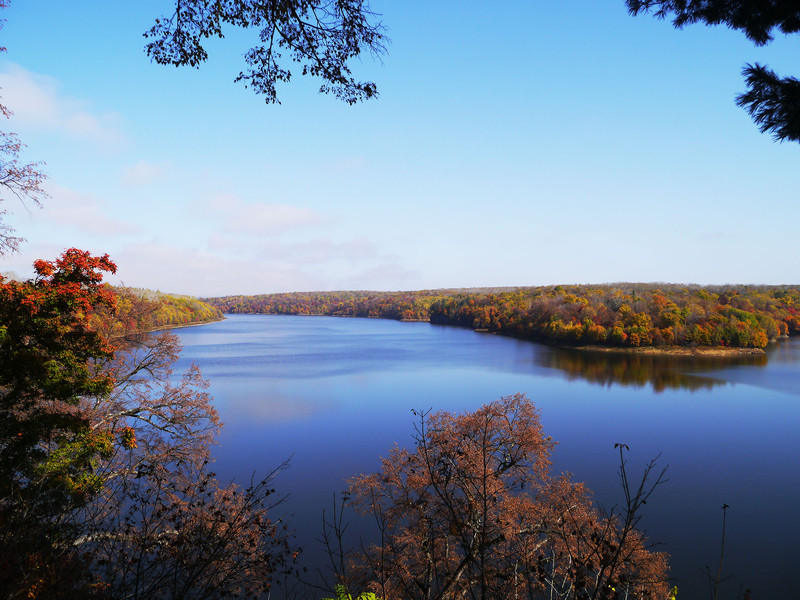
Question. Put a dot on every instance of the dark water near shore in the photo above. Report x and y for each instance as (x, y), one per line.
(335, 394)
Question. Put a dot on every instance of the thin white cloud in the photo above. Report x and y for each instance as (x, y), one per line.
(385, 275)
(143, 173)
(69, 208)
(242, 218)
(37, 100)
(716, 237)
(321, 250)
(286, 267)
(308, 252)
(191, 271)
(22, 263)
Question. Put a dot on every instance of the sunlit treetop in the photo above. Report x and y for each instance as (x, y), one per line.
(46, 344)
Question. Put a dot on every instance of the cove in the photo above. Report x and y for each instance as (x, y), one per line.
(334, 394)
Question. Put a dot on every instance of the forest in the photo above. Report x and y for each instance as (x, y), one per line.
(143, 310)
(622, 315)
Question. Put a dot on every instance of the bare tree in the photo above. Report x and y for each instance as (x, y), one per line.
(162, 526)
(18, 179)
(176, 533)
(472, 511)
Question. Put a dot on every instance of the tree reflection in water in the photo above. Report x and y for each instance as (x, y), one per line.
(662, 372)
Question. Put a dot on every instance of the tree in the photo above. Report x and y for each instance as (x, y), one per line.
(473, 511)
(772, 101)
(162, 526)
(325, 36)
(23, 181)
(104, 481)
(47, 448)
(176, 533)
(47, 353)
(322, 36)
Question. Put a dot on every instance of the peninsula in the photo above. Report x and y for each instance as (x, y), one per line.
(632, 317)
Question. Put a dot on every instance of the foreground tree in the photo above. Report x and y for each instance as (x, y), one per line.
(473, 511)
(162, 526)
(176, 533)
(104, 483)
(47, 447)
(324, 37)
(772, 101)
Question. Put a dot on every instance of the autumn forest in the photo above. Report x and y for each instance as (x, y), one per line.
(617, 315)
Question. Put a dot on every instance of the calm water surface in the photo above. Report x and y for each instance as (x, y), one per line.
(335, 394)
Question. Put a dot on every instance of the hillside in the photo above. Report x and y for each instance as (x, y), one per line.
(140, 310)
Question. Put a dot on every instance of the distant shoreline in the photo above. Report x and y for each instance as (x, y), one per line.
(698, 351)
(181, 325)
(626, 318)
(705, 351)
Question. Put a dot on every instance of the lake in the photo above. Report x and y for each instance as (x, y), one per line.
(334, 394)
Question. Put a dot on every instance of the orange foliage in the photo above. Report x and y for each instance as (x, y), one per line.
(627, 315)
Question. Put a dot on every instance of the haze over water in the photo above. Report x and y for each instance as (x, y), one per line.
(335, 394)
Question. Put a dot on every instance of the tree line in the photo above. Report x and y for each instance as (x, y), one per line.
(140, 310)
(619, 315)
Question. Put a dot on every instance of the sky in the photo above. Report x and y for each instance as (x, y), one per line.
(514, 144)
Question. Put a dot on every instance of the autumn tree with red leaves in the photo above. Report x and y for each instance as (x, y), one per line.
(105, 490)
(47, 447)
(47, 358)
(104, 483)
(472, 511)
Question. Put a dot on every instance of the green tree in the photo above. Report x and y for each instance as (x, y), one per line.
(47, 448)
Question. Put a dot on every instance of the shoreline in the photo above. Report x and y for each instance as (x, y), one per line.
(704, 351)
(180, 325)
(698, 351)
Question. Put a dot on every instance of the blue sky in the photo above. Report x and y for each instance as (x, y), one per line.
(525, 143)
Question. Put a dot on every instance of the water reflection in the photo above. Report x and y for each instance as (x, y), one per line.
(640, 370)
